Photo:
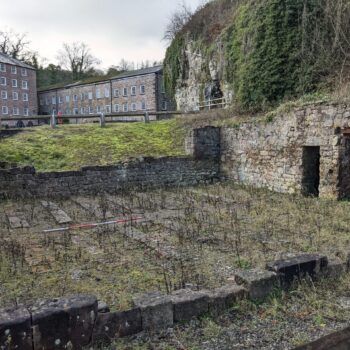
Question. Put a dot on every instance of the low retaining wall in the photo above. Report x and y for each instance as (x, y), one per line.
(79, 321)
(146, 173)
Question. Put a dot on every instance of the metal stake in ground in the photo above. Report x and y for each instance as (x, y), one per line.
(91, 225)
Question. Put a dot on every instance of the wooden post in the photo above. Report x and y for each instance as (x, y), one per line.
(102, 120)
(53, 120)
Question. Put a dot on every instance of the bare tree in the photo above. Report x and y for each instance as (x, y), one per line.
(77, 58)
(177, 21)
(15, 45)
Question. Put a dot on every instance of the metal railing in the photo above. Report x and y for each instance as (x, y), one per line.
(212, 103)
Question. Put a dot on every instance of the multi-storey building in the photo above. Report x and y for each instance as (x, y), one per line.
(135, 91)
(18, 94)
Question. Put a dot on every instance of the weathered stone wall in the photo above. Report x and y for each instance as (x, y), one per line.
(270, 154)
(145, 173)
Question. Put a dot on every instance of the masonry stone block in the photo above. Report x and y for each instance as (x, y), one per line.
(15, 329)
(335, 269)
(156, 310)
(114, 325)
(298, 267)
(64, 323)
(221, 299)
(188, 304)
(259, 283)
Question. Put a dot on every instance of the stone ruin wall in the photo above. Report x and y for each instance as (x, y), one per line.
(269, 154)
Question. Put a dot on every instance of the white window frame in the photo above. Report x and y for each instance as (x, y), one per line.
(24, 72)
(108, 108)
(2, 67)
(107, 93)
(26, 112)
(82, 110)
(133, 107)
(3, 81)
(60, 100)
(75, 98)
(164, 105)
(98, 109)
(125, 91)
(67, 98)
(116, 92)
(25, 97)
(14, 83)
(53, 100)
(116, 108)
(14, 95)
(133, 91)
(4, 94)
(98, 93)
(25, 84)
(91, 110)
(47, 101)
(41, 102)
(142, 89)
(90, 95)
(75, 111)
(13, 69)
(143, 105)
(5, 110)
(15, 111)
(125, 107)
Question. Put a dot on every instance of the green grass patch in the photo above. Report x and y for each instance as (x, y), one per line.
(69, 147)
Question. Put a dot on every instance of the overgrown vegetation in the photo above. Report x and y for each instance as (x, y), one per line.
(72, 146)
(274, 50)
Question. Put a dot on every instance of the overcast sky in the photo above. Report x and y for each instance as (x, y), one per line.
(114, 29)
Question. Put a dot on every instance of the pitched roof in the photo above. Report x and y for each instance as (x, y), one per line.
(95, 80)
(9, 60)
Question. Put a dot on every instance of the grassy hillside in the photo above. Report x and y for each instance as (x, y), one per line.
(70, 147)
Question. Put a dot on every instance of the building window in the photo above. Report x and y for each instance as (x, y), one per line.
(60, 99)
(75, 98)
(143, 105)
(3, 81)
(26, 112)
(125, 91)
(108, 109)
(41, 102)
(15, 111)
(4, 94)
(125, 107)
(24, 84)
(47, 101)
(15, 95)
(164, 106)
(106, 92)
(82, 97)
(2, 68)
(133, 107)
(116, 108)
(76, 111)
(91, 110)
(67, 98)
(133, 90)
(14, 83)
(25, 97)
(5, 110)
(13, 69)
(53, 100)
(24, 72)
(142, 89)
(116, 92)
(98, 109)
(98, 93)
(67, 111)
(82, 110)
(90, 95)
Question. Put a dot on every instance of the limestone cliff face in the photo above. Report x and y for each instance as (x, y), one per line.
(202, 76)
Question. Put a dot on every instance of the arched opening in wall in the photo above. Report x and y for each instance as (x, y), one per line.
(311, 171)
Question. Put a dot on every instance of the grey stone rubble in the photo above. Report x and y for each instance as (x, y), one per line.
(72, 323)
(58, 214)
(17, 220)
(93, 208)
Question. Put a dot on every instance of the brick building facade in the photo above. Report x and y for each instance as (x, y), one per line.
(18, 93)
(136, 91)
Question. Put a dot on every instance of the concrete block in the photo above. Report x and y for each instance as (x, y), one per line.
(15, 329)
(259, 283)
(188, 304)
(298, 267)
(221, 299)
(110, 326)
(156, 310)
(64, 323)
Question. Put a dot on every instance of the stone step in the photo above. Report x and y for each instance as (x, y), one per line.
(60, 216)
